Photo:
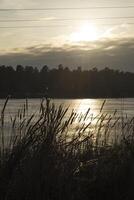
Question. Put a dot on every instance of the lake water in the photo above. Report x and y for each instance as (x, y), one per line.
(124, 108)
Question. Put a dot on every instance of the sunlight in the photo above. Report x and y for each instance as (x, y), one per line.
(87, 32)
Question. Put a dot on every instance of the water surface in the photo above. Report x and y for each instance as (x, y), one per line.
(124, 109)
(123, 106)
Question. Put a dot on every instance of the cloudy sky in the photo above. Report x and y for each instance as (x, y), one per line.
(93, 37)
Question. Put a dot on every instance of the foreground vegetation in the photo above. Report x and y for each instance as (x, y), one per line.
(77, 157)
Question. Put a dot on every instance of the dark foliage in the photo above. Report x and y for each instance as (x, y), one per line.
(62, 82)
(43, 161)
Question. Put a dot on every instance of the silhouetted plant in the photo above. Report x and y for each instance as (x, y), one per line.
(54, 157)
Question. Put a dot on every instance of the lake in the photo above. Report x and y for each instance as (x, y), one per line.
(123, 106)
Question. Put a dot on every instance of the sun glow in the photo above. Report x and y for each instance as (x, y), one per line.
(87, 32)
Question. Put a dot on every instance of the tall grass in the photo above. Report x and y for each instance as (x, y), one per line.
(55, 156)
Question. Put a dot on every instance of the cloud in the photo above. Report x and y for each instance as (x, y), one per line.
(116, 54)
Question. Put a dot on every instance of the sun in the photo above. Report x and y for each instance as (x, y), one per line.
(86, 32)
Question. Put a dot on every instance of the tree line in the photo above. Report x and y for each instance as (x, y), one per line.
(63, 82)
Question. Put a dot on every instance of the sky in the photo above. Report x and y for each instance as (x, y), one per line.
(97, 37)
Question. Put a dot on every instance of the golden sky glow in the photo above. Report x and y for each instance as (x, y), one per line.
(65, 31)
(86, 32)
(99, 37)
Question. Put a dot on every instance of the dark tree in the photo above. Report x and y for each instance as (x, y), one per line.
(62, 82)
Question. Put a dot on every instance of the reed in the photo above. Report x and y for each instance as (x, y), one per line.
(55, 156)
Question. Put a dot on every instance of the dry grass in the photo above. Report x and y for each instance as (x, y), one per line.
(82, 157)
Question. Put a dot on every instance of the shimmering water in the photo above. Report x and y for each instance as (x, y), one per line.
(123, 106)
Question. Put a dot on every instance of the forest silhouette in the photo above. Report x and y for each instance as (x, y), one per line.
(63, 82)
